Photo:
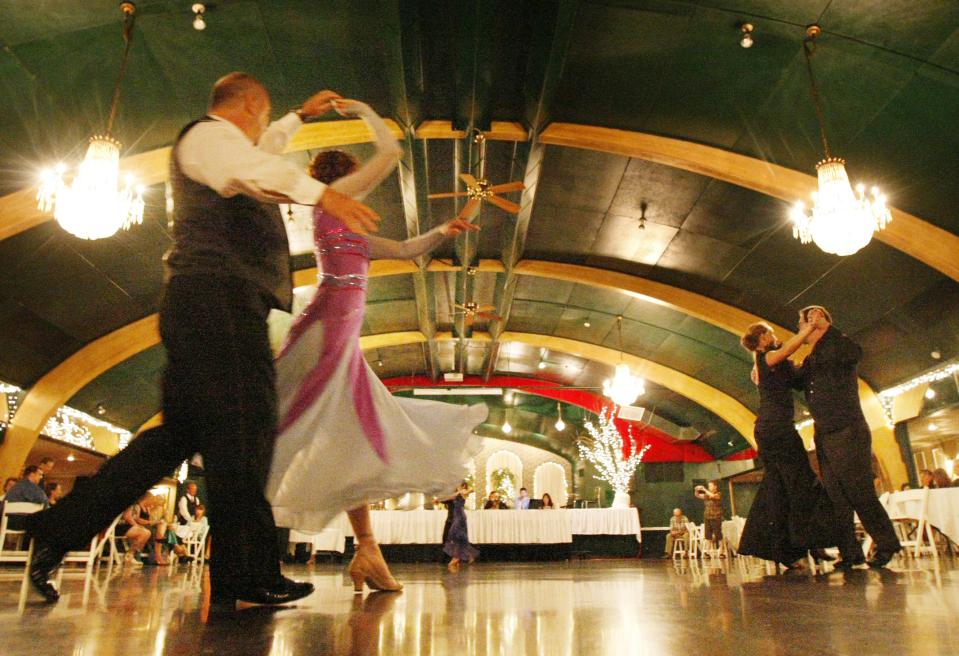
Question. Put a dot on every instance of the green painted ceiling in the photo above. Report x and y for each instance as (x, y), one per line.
(888, 71)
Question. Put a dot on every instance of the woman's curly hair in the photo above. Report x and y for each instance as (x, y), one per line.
(331, 165)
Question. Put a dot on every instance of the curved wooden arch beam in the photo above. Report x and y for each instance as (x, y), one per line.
(724, 316)
(919, 239)
(724, 406)
(65, 380)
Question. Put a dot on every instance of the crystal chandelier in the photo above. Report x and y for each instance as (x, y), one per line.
(93, 205)
(840, 221)
(624, 388)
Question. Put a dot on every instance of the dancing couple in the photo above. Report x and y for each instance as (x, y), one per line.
(793, 512)
(228, 266)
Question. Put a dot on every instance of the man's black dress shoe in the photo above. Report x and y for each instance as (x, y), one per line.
(46, 561)
(283, 592)
(882, 558)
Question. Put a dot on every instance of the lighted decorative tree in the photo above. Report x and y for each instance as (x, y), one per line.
(604, 448)
(503, 480)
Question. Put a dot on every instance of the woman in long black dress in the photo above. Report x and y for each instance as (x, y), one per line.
(791, 513)
(456, 543)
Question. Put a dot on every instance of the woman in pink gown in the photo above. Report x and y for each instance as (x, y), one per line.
(344, 440)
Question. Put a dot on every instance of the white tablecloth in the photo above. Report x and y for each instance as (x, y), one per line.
(942, 513)
(605, 521)
(733, 530)
(499, 526)
(329, 539)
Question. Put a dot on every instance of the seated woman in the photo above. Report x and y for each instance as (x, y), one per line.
(548, 502)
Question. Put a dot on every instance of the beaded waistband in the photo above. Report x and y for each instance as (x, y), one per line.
(352, 280)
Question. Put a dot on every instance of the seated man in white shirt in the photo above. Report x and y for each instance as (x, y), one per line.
(186, 506)
(677, 530)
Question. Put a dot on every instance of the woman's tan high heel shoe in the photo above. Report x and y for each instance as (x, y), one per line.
(369, 567)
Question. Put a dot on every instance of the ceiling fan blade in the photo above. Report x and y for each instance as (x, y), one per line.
(469, 209)
(486, 308)
(468, 179)
(507, 205)
(491, 317)
(508, 186)
(453, 194)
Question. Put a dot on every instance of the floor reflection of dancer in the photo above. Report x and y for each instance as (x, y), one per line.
(791, 512)
(344, 439)
(457, 543)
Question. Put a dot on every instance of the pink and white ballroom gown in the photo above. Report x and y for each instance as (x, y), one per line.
(344, 440)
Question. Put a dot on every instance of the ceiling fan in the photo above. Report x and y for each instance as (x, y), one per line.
(473, 310)
(480, 190)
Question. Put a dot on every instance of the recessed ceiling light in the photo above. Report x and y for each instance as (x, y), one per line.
(198, 23)
(932, 427)
(746, 29)
(71, 458)
(936, 354)
(930, 393)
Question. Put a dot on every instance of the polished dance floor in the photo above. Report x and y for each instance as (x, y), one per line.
(549, 609)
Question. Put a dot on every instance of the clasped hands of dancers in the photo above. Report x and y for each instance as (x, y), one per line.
(793, 512)
(290, 441)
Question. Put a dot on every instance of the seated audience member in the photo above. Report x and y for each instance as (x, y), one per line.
(548, 502)
(26, 490)
(677, 530)
(494, 502)
(925, 478)
(46, 466)
(138, 534)
(7, 484)
(522, 501)
(940, 479)
(186, 506)
(54, 492)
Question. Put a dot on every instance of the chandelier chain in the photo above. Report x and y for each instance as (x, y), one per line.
(129, 18)
(809, 48)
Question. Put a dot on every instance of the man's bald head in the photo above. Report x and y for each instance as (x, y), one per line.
(234, 88)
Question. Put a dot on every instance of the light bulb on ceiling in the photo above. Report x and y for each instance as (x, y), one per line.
(541, 365)
(932, 427)
(930, 393)
(71, 458)
(506, 427)
(587, 324)
(747, 31)
(198, 23)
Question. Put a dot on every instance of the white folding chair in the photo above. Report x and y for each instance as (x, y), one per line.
(113, 541)
(18, 554)
(195, 545)
(923, 529)
(681, 546)
(696, 534)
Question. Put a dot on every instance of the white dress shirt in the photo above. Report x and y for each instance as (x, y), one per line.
(219, 155)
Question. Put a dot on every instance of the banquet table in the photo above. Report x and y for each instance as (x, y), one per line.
(942, 511)
(499, 526)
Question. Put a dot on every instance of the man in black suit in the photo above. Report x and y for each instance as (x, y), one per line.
(228, 266)
(843, 439)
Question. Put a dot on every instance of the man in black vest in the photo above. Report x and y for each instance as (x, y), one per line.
(229, 264)
(186, 506)
(843, 439)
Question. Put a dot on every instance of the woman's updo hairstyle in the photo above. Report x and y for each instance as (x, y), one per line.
(331, 165)
(750, 340)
